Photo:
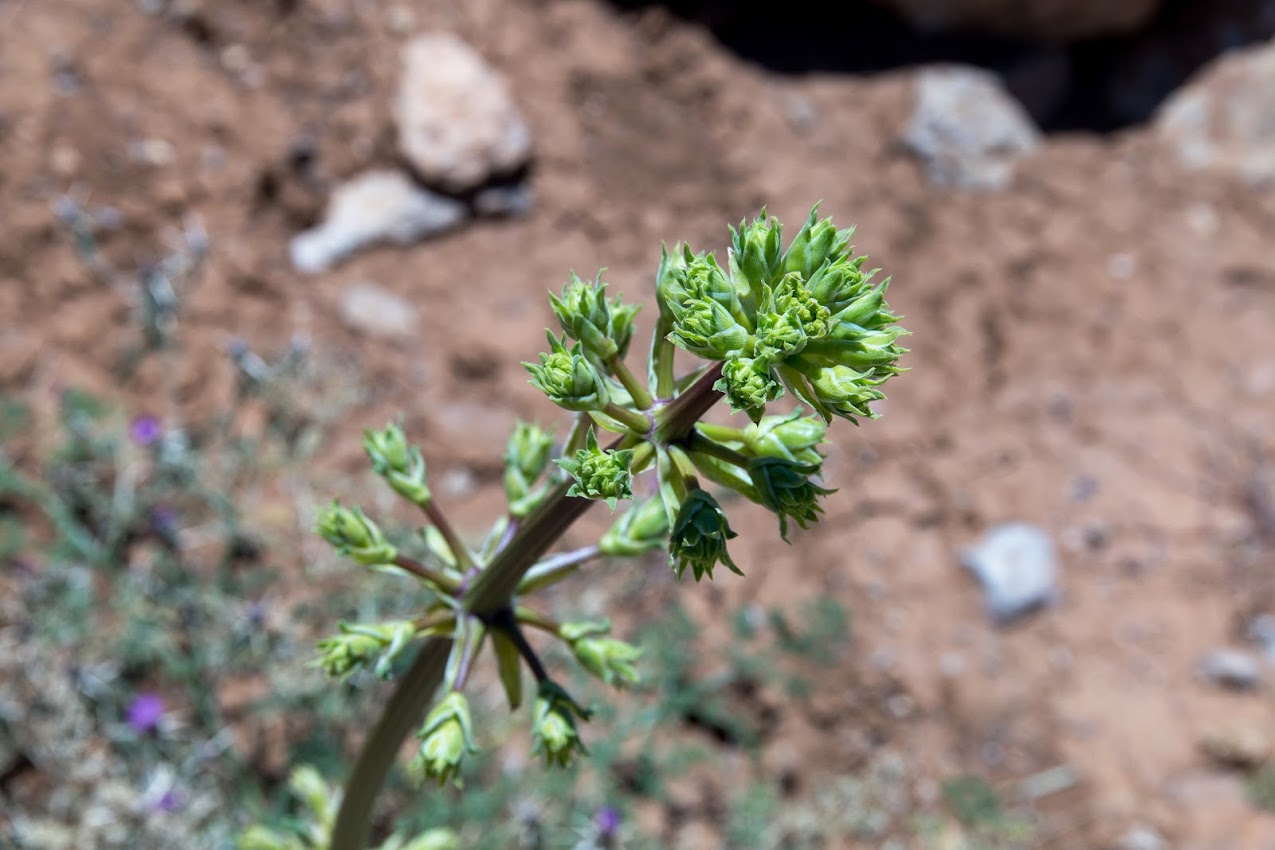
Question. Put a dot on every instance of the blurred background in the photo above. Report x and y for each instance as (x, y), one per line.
(1041, 609)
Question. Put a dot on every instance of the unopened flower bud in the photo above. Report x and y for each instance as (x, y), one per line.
(748, 384)
(399, 463)
(446, 738)
(756, 256)
(699, 536)
(355, 536)
(640, 529)
(707, 329)
(817, 242)
(603, 327)
(553, 726)
(785, 488)
(568, 378)
(846, 392)
(609, 659)
(793, 437)
(360, 644)
(599, 474)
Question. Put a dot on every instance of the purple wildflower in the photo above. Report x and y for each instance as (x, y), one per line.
(144, 712)
(607, 821)
(145, 430)
(169, 801)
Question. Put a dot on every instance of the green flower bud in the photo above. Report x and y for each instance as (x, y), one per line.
(599, 474)
(446, 737)
(568, 378)
(867, 309)
(603, 327)
(779, 335)
(794, 300)
(793, 437)
(699, 536)
(355, 536)
(668, 279)
(640, 529)
(707, 329)
(748, 385)
(400, 464)
(553, 726)
(785, 488)
(697, 277)
(867, 349)
(307, 785)
(438, 838)
(609, 659)
(846, 392)
(756, 257)
(359, 644)
(817, 242)
(839, 282)
(526, 456)
(264, 838)
(528, 450)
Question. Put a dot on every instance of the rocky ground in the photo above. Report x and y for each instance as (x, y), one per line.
(1091, 354)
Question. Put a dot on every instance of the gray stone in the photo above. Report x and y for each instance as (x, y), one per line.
(966, 130)
(1015, 563)
(458, 124)
(1139, 837)
(1232, 668)
(374, 310)
(374, 207)
(1223, 121)
(1047, 20)
(512, 200)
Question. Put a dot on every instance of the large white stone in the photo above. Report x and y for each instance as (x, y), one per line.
(1223, 121)
(458, 124)
(374, 207)
(966, 129)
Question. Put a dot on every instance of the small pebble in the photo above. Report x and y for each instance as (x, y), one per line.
(1015, 563)
(1231, 668)
(1243, 747)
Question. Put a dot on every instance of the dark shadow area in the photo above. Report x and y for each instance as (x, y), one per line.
(1100, 84)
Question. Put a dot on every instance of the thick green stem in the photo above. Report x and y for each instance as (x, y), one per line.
(638, 423)
(402, 713)
(555, 568)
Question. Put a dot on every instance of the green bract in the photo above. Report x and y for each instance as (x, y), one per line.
(599, 474)
(355, 536)
(446, 737)
(699, 537)
(568, 378)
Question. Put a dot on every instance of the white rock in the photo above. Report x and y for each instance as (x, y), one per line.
(374, 207)
(1049, 20)
(966, 129)
(1232, 668)
(1015, 563)
(458, 125)
(1140, 837)
(1223, 121)
(373, 309)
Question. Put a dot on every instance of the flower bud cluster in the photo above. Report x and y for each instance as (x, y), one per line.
(526, 458)
(553, 725)
(604, 327)
(609, 659)
(569, 378)
(355, 536)
(599, 474)
(399, 463)
(446, 738)
(808, 319)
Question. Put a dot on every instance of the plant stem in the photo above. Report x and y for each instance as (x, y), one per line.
(353, 825)
(697, 442)
(676, 419)
(638, 423)
(538, 621)
(446, 583)
(490, 593)
(459, 551)
(641, 398)
(555, 568)
(662, 352)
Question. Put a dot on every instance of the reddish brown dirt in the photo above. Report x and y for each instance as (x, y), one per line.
(1092, 349)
